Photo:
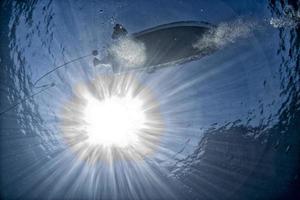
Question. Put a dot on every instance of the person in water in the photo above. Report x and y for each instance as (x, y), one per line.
(119, 31)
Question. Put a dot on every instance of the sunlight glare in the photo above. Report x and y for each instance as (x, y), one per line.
(114, 121)
(111, 118)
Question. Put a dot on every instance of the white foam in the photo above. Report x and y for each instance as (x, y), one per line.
(128, 52)
(281, 22)
(226, 33)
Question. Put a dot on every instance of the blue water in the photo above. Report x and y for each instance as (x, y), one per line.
(232, 118)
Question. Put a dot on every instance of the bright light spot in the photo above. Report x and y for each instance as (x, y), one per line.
(114, 121)
(111, 118)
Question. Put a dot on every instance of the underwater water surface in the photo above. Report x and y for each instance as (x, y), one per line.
(229, 123)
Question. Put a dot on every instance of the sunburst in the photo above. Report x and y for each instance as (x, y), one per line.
(111, 117)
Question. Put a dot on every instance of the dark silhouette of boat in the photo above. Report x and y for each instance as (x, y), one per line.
(164, 45)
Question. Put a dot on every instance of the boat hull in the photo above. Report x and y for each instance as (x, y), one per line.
(169, 44)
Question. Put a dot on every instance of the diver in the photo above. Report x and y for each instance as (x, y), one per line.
(119, 31)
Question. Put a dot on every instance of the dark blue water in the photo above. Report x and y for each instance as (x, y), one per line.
(232, 119)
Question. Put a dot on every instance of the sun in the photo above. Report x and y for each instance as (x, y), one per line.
(111, 117)
(114, 121)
